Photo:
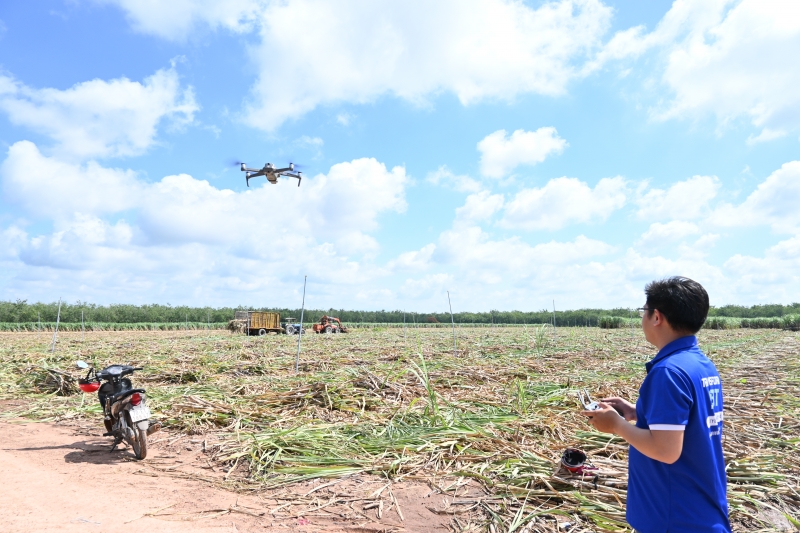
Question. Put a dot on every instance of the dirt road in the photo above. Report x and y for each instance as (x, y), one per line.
(63, 478)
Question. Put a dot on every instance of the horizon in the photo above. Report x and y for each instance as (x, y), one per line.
(575, 151)
(90, 305)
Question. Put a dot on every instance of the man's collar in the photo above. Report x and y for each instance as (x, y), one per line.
(671, 348)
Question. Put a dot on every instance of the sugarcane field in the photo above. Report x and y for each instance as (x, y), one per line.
(405, 428)
(383, 266)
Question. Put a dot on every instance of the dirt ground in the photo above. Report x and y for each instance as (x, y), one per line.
(61, 477)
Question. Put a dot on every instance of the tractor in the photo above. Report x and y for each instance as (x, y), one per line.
(290, 327)
(329, 324)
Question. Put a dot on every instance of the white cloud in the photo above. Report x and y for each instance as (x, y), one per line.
(682, 20)
(475, 49)
(340, 206)
(413, 260)
(664, 234)
(741, 65)
(512, 274)
(314, 142)
(100, 118)
(684, 200)
(482, 273)
(768, 279)
(116, 234)
(497, 259)
(461, 183)
(564, 201)
(12, 239)
(345, 118)
(424, 287)
(707, 241)
(81, 241)
(766, 135)
(178, 19)
(638, 269)
(481, 49)
(501, 154)
(50, 188)
(726, 58)
(700, 249)
(774, 202)
(479, 206)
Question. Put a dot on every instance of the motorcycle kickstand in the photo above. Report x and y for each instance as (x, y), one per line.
(117, 442)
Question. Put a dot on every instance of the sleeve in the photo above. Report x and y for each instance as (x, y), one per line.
(667, 400)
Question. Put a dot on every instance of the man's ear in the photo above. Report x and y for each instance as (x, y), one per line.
(661, 320)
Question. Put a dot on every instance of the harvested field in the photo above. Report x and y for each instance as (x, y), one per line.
(484, 427)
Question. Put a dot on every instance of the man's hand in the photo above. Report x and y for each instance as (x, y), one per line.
(623, 407)
(664, 446)
(605, 419)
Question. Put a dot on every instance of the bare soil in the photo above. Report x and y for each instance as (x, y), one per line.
(62, 477)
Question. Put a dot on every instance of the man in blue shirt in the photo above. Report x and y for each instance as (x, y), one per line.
(676, 470)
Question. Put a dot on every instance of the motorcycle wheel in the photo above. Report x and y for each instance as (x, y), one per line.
(139, 444)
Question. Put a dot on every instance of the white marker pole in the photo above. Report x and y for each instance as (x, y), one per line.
(452, 321)
(300, 335)
(554, 318)
(55, 333)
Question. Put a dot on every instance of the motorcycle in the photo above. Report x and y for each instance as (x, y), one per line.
(125, 412)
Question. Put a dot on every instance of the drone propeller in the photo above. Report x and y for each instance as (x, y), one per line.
(232, 161)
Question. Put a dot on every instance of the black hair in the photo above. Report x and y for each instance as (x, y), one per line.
(682, 301)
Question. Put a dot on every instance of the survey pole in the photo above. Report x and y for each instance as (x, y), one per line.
(300, 335)
(453, 322)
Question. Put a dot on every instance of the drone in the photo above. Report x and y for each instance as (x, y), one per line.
(271, 173)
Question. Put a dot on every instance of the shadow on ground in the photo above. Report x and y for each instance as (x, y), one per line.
(93, 451)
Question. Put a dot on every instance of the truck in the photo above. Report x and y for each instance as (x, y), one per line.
(258, 322)
(329, 324)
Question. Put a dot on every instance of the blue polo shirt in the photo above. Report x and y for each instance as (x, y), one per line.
(681, 392)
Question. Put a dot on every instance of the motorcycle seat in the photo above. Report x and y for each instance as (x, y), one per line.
(122, 394)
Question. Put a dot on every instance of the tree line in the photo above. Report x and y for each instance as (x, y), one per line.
(22, 311)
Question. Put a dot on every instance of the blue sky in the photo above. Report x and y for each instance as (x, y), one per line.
(513, 153)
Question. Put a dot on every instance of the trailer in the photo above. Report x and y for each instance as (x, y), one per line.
(258, 322)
